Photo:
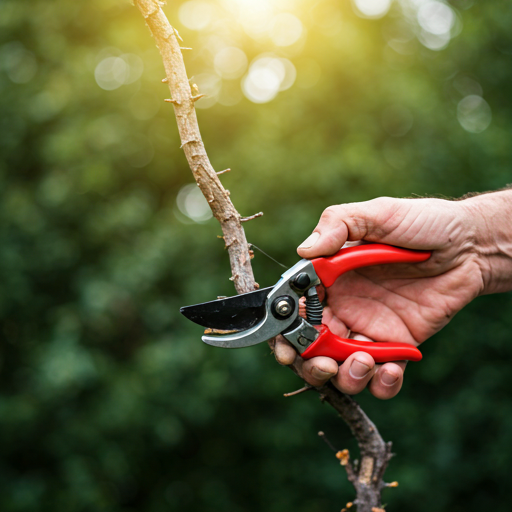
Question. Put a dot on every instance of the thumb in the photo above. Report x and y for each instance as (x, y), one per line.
(369, 220)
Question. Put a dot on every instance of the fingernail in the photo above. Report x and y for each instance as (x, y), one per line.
(320, 374)
(388, 379)
(310, 241)
(358, 370)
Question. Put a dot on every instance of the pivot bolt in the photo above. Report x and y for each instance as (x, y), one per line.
(283, 307)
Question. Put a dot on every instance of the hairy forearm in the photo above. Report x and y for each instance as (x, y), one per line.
(491, 218)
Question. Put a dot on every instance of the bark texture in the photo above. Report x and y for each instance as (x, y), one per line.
(184, 94)
(366, 476)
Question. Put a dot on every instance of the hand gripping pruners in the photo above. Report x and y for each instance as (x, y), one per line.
(257, 316)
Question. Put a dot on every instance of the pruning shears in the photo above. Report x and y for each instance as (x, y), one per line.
(257, 316)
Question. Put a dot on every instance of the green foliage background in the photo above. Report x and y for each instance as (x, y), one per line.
(108, 399)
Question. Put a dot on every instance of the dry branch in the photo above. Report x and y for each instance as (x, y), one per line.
(367, 477)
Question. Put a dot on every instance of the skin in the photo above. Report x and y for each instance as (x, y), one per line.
(471, 242)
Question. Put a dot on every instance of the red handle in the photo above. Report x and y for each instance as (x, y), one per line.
(330, 345)
(330, 268)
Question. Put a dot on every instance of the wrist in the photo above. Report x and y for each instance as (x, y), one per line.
(490, 222)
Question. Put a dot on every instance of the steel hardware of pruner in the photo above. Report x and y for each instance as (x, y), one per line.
(254, 317)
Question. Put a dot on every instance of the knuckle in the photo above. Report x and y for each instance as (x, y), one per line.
(330, 213)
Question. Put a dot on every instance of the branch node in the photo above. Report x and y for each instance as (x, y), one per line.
(255, 216)
(165, 80)
(173, 101)
(197, 97)
(222, 172)
(177, 34)
(343, 456)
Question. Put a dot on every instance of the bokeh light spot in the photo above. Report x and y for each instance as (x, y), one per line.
(20, 64)
(113, 72)
(466, 86)
(286, 29)
(372, 8)
(191, 203)
(436, 18)
(196, 15)
(474, 114)
(230, 62)
(267, 76)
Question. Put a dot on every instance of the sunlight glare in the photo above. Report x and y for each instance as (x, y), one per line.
(195, 14)
(286, 29)
(372, 8)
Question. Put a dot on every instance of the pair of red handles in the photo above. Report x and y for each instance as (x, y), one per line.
(328, 270)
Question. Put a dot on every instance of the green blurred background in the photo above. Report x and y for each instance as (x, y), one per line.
(108, 399)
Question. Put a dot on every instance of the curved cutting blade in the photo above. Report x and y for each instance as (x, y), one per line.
(237, 313)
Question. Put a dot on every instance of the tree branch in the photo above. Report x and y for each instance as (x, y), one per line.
(183, 99)
(375, 453)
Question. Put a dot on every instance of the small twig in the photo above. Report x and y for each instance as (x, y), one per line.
(327, 442)
(198, 97)
(298, 391)
(185, 48)
(255, 216)
(222, 172)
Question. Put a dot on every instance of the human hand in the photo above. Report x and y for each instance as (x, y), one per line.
(399, 302)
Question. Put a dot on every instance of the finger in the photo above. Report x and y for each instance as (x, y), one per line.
(284, 353)
(318, 370)
(374, 221)
(355, 373)
(336, 326)
(387, 380)
(328, 236)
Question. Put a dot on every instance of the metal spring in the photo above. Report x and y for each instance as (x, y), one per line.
(314, 308)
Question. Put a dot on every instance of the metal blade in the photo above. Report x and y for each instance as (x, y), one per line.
(239, 313)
